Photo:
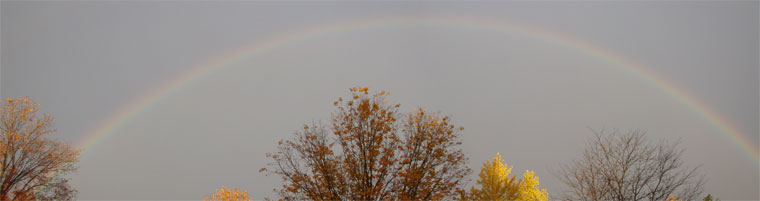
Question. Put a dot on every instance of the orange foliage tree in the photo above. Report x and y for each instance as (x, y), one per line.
(673, 198)
(369, 153)
(31, 166)
(225, 194)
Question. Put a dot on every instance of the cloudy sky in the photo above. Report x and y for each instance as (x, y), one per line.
(530, 95)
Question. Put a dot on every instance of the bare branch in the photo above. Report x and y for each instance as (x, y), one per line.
(628, 167)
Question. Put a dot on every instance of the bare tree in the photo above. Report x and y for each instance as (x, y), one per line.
(32, 167)
(370, 153)
(627, 167)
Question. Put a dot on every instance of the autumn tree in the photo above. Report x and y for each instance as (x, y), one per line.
(628, 167)
(673, 198)
(225, 194)
(530, 190)
(497, 185)
(372, 152)
(32, 167)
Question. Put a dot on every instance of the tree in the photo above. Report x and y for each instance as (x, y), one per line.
(32, 167)
(628, 167)
(709, 197)
(225, 194)
(529, 189)
(673, 198)
(496, 184)
(370, 154)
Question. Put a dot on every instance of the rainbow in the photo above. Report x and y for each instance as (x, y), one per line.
(144, 102)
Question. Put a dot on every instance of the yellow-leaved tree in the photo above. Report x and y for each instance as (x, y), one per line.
(496, 184)
(225, 194)
(33, 166)
(529, 189)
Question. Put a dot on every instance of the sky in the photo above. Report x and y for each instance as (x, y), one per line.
(532, 94)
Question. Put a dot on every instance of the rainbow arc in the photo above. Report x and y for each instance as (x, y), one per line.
(144, 102)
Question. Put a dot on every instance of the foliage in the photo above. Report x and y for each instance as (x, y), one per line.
(529, 189)
(225, 194)
(496, 184)
(628, 167)
(673, 198)
(709, 197)
(32, 167)
(369, 153)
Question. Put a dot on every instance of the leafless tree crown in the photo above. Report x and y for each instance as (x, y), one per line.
(627, 166)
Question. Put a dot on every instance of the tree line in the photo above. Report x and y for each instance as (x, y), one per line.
(372, 151)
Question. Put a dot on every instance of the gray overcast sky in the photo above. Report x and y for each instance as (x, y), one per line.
(529, 99)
